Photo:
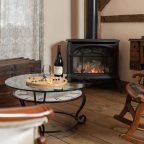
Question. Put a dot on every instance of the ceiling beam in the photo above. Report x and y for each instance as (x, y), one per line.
(123, 18)
(102, 4)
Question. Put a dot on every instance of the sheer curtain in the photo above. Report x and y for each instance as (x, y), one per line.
(21, 29)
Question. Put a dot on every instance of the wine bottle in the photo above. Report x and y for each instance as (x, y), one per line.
(58, 65)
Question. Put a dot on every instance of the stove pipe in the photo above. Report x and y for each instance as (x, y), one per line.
(92, 19)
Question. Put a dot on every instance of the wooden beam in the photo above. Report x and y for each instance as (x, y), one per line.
(123, 18)
(102, 4)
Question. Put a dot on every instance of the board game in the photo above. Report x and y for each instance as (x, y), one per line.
(43, 81)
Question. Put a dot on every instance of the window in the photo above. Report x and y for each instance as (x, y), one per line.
(21, 28)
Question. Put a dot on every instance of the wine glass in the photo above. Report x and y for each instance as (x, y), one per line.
(43, 72)
(49, 70)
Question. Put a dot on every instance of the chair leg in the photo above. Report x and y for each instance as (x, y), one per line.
(42, 140)
(134, 126)
(127, 108)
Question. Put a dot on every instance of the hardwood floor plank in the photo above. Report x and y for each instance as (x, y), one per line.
(54, 140)
(101, 127)
(84, 139)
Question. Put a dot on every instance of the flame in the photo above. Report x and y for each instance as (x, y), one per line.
(90, 68)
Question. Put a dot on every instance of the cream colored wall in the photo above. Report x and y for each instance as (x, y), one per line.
(64, 19)
(123, 31)
(61, 17)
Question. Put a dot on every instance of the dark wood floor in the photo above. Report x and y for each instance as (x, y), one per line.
(100, 128)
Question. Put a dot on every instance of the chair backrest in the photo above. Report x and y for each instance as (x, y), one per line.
(20, 125)
(139, 78)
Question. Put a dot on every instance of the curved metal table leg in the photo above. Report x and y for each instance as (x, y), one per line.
(42, 130)
(22, 102)
(81, 118)
(77, 116)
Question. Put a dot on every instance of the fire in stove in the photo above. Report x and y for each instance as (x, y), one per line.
(91, 67)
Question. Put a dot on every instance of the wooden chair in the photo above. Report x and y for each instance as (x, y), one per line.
(135, 94)
(21, 125)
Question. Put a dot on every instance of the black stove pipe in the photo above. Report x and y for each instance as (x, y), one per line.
(92, 19)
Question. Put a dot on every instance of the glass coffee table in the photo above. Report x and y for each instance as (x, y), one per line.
(68, 92)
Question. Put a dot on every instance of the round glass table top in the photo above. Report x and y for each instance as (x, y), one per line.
(19, 82)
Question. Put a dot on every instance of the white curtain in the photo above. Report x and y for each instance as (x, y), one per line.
(21, 29)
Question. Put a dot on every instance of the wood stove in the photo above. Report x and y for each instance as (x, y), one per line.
(91, 58)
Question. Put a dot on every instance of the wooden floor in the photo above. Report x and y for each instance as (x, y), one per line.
(100, 128)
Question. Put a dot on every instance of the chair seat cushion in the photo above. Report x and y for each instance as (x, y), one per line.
(23, 132)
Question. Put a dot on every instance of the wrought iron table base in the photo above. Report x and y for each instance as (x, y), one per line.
(79, 118)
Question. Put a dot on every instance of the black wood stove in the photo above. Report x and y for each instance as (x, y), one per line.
(92, 59)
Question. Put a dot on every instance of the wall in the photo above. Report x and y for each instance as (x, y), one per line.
(123, 31)
(63, 19)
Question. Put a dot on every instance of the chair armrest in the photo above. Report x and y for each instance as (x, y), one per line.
(138, 74)
(26, 113)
